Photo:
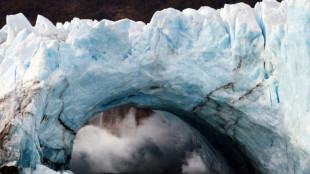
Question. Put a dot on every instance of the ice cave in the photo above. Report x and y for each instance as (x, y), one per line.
(238, 75)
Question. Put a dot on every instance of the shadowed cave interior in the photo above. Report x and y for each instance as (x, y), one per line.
(136, 140)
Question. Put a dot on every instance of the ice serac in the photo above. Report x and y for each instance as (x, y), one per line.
(239, 74)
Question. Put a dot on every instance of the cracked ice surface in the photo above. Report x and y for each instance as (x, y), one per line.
(243, 71)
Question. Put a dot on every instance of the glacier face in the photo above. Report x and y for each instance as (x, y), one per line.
(240, 71)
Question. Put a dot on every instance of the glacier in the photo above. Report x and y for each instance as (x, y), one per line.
(240, 74)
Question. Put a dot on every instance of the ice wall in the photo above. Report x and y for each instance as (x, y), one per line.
(239, 71)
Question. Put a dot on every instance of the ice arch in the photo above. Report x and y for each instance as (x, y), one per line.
(237, 71)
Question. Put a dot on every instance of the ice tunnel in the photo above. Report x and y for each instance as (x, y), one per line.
(135, 140)
(238, 75)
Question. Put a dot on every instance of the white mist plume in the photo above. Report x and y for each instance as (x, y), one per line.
(158, 145)
(194, 165)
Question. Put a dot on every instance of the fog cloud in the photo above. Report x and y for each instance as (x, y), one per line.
(162, 143)
(194, 164)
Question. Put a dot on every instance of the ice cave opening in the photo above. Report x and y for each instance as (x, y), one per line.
(237, 75)
(139, 140)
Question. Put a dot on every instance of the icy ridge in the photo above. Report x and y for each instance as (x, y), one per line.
(242, 70)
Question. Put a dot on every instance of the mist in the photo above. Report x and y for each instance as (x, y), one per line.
(158, 144)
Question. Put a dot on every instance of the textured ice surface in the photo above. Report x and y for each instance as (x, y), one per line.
(41, 169)
(243, 71)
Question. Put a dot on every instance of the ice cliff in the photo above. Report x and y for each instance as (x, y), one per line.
(241, 73)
